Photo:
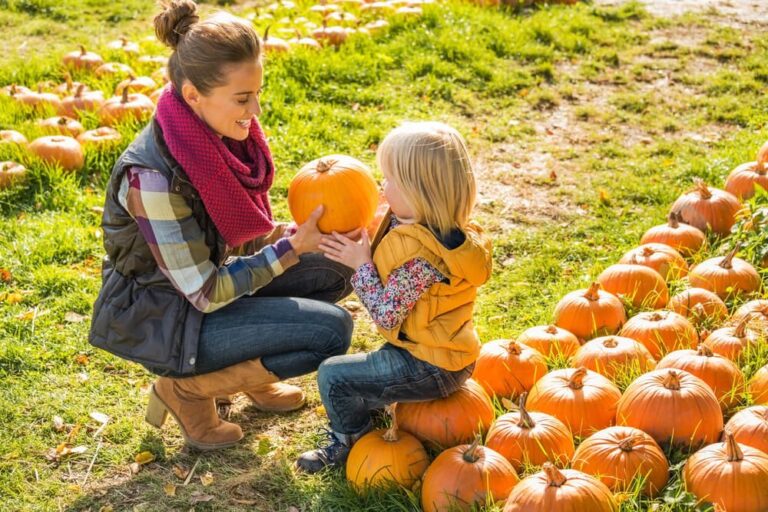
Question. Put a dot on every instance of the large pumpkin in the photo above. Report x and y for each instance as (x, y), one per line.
(554, 490)
(721, 374)
(619, 455)
(742, 180)
(448, 421)
(82, 100)
(708, 208)
(82, 59)
(550, 340)
(731, 342)
(671, 406)
(660, 257)
(386, 457)
(466, 476)
(506, 368)
(680, 236)
(59, 150)
(590, 312)
(729, 474)
(530, 438)
(750, 427)
(660, 331)
(611, 356)
(758, 386)
(725, 275)
(582, 399)
(126, 107)
(758, 314)
(699, 306)
(343, 185)
(640, 285)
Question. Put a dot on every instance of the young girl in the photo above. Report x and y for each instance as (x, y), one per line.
(419, 286)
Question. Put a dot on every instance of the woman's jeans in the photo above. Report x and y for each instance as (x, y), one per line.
(292, 323)
(352, 385)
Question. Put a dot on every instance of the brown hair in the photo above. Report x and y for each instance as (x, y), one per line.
(201, 49)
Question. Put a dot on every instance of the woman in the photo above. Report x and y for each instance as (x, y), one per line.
(198, 279)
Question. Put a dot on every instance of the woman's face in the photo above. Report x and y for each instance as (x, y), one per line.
(395, 199)
(229, 109)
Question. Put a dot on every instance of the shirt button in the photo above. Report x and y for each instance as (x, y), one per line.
(177, 188)
(192, 361)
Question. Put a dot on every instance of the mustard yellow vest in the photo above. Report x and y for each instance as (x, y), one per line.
(439, 329)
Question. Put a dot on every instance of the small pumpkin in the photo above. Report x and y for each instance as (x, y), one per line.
(660, 257)
(613, 355)
(465, 476)
(590, 312)
(448, 421)
(13, 89)
(742, 180)
(725, 275)
(721, 374)
(660, 331)
(82, 59)
(750, 427)
(758, 386)
(556, 490)
(619, 455)
(335, 36)
(582, 399)
(530, 438)
(708, 208)
(12, 137)
(672, 406)
(274, 44)
(343, 185)
(506, 368)
(376, 27)
(676, 234)
(123, 44)
(82, 100)
(729, 474)
(39, 100)
(100, 137)
(304, 42)
(59, 150)
(550, 340)
(62, 125)
(731, 342)
(699, 305)
(640, 285)
(386, 457)
(126, 107)
(110, 69)
(139, 84)
(69, 86)
(154, 59)
(10, 173)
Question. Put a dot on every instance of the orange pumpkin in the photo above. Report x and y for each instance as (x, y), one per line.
(140, 84)
(448, 421)
(742, 180)
(721, 374)
(660, 257)
(71, 106)
(82, 59)
(465, 476)
(555, 490)
(62, 125)
(613, 355)
(750, 427)
(758, 386)
(39, 100)
(123, 44)
(680, 236)
(699, 305)
(725, 275)
(343, 185)
(126, 107)
(530, 438)
(619, 455)
(729, 474)
(660, 331)
(335, 36)
(757, 311)
(506, 368)
(304, 42)
(672, 406)
(731, 342)
(110, 69)
(590, 312)
(11, 172)
(386, 457)
(12, 137)
(708, 208)
(100, 137)
(274, 44)
(582, 399)
(550, 340)
(639, 285)
(59, 150)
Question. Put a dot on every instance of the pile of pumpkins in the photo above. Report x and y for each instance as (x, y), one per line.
(683, 380)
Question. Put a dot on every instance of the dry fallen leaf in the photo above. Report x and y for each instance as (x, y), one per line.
(74, 318)
(320, 410)
(100, 417)
(170, 489)
(81, 359)
(206, 479)
(135, 467)
(180, 471)
(199, 497)
(5, 275)
(144, 458)
(58, 424)
(13, 298)
(106, 508)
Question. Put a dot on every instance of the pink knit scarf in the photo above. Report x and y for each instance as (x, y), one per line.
(232, 177)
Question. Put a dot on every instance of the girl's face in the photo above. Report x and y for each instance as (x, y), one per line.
(229, 109)
(396, 200)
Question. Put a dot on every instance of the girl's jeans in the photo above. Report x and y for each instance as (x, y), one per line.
(352, 385)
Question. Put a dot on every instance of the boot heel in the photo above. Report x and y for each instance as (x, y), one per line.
(156, 410)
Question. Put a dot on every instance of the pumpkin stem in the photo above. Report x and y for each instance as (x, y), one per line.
(82, 50)
(672, 381)
(63, 120)
(124, 98)
(648, 251)
(702, 189)
(633, 260)
(325, 165)
(741, 328)
(551, 329)
(526, 421)
(727, 262)
(656, 317)
(555, 477)
(732, 448)
(514, 348)
(592, 291)
(610, 343)
(628, 444)
(79, 91)
(698, 310)
(704, 350)
(470, 455)
(391, 434)
(577, 378)
(266, 33)
(672, 220)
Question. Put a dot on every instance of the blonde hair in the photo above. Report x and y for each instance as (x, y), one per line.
(201, 49)
(430, 164)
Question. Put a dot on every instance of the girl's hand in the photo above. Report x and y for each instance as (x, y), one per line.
(307, 236)
(338, 247)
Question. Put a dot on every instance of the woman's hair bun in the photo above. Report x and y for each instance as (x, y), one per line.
(175, 20)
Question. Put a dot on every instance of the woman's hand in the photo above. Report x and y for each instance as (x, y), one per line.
(338, 247)
(307, 236)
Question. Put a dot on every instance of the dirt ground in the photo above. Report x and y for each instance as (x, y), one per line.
(739, 11)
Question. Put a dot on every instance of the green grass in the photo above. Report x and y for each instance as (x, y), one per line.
(498, 76)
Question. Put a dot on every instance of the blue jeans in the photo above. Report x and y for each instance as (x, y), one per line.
(352, 385)
(291, 323)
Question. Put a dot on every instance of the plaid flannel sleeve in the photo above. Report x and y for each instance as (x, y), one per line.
(178, 244)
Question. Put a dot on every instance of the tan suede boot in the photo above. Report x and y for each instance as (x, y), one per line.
(272, 395)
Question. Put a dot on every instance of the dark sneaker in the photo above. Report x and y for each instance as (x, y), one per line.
(334, 454)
